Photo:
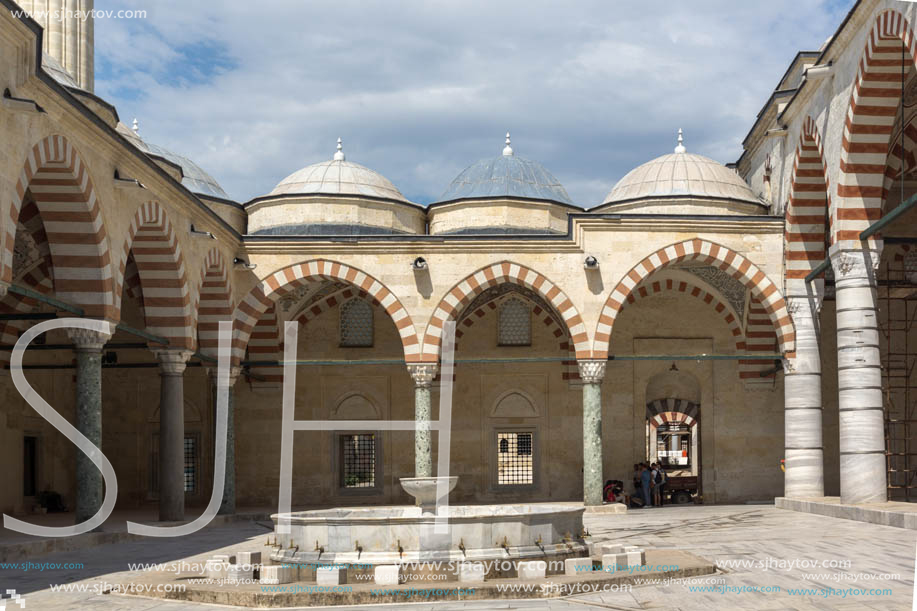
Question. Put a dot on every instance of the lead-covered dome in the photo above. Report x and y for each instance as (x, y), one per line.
(681, 175)
(338, 177)
(507, 175)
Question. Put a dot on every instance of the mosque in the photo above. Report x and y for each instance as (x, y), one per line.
(750, 324)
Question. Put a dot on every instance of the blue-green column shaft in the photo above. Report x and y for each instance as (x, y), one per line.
(423, 375)
(592, 373)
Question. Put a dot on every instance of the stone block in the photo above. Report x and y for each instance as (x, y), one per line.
(330, 576)
(471, 572)
(612, 563)
(635, 557)
(532, 569)
(248, 558)
(387, 575)
(277, 574)
(236, 573)
(577, 566)
(217, 565)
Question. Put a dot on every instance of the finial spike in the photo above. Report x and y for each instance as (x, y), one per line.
(136, 126)
(339, 155)
(507, 150)
(681, 140)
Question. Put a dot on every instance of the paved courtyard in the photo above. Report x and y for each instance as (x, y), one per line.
(766, 546)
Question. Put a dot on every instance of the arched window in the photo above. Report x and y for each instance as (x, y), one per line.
(515, 323)
(504, 445)
(356, 323)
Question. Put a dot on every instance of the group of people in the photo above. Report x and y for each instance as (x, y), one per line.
(649, 487)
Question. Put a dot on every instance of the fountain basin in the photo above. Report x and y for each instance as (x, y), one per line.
(424, 490)
(365, 536)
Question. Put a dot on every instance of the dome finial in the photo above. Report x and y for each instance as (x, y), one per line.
(136, 126)
(339, 155)
(507, 150)
(681, 143)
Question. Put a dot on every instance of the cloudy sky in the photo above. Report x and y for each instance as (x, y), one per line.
(254, 90)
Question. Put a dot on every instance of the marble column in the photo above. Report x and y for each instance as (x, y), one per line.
(803, 446)
(859, 376)
(88, 344)
(423, 374)
(592, 373)
(172, 365)
(228, 504)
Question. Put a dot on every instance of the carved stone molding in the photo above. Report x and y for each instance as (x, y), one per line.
(423, 373)
(173, 362)
(855, 263)
(592, 372)
(88, 340)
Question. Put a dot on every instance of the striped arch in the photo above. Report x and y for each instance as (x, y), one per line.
(462, 293)
(571, 370)
(64, 195)
(288, 279)
(889, 53)
(214, 302)
(163, 280)
(674, 411)
(332, 301)
(679, 286)
(266, 344)
(901, 159)
(761, 339)
(38, 278)
(709, 253)
(808, 205)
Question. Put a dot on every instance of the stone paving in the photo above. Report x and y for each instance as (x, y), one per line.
(746, 533)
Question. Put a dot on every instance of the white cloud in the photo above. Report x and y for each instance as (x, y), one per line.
(419, 90)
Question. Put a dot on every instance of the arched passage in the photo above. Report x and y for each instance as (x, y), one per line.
(282, 282)
(463, 292)
(889, 54)
(214, 302)
(710, 253)
(64, 196)
(808, 205)
(153, 246)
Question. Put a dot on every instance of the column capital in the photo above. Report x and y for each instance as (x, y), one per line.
(234, 372)
(804, 305)
(423, 373)
(88, 340)
(592, 371)
(855, 262)
(172, 361)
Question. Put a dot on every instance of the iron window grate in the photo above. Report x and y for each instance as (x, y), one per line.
(515, 464)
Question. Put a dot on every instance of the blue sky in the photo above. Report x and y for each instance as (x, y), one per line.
(253, 91)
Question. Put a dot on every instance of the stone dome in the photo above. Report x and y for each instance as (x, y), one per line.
(682, 174)
(507, 175)
(194, 178)
(338, 177)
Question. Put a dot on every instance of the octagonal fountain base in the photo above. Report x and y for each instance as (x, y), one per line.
(497, 535)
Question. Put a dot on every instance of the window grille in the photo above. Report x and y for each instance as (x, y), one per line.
(356, 323)
(515, 323)
(515, 464)
(358, 458)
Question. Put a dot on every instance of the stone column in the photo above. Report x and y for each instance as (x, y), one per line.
(228, 504)
(87, 344)
(172, 365)
(423, 374)
(859, 376)
(803, 446)
(592, 373)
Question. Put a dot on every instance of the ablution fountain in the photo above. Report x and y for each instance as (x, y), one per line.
(497, 536)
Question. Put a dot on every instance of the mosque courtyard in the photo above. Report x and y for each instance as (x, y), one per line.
(766, 558)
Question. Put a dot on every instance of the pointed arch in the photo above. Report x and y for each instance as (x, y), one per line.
(890, 51)
(214, 303)
(281, 282)
(505, 271)
(808, 205)
(65, 197)
(164, 283)
(709, 253)
(675, 411)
